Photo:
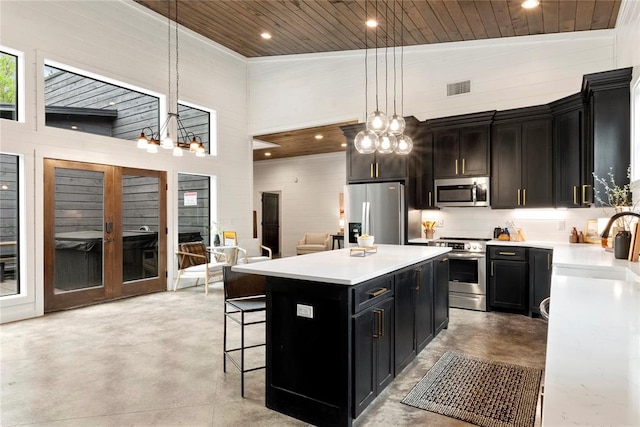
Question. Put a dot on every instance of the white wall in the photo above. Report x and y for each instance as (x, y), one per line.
(123, 41)
(309, 189)
(298, 91)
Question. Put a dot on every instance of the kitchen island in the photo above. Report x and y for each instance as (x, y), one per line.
(341, 327)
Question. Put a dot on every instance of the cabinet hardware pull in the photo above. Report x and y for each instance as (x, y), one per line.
(518, 197)
(548, 261)
(575, 195)
(507, 253)
(430, 199)
(444, 260)
(463, 166)
(377, 170)
(491, 268)
(381, 323)
(584, 194)
(377, 293)
(418, 286)
(379, 332)
(524, 197)
(371, 170)
(456, 166)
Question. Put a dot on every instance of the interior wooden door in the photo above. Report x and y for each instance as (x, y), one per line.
(271, 221)
(93, 250)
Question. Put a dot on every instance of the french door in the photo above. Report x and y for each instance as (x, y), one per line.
(104, 233)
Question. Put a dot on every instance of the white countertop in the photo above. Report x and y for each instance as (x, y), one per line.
(339, 267)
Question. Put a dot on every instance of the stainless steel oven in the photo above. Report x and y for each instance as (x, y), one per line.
(467, 272)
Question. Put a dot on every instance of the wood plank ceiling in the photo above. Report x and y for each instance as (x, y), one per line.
(311, 26)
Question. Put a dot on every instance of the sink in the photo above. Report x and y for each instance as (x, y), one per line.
(609, 273)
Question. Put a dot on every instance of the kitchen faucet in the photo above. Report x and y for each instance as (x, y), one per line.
(605, 233)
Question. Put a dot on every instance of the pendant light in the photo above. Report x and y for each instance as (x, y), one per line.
(185, 140)
(377, 121)
(366, 141)
(405, 143)
(396, 123)
(388, 141)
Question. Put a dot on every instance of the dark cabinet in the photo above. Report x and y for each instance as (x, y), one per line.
(373, 353)
(608, 130)
(421, 173)
(540, 262)
(414, 317)
(461, 152)
(573, 157)
(522, 159)
(440, 294)
(508, 278)
(461, 145)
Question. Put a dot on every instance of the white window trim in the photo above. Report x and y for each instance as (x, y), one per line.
(20, 75)
(213, 125)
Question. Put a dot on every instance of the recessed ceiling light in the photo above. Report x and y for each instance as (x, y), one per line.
(267, 154)
(344, 144)
(74, 127)
(265, 35)
(318, 136)
(112, 103)
(530, 4)
(5, 187)
(372, 23)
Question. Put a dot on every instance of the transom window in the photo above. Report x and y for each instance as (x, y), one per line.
(8, 86)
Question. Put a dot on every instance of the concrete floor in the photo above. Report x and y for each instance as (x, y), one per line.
(156, 360)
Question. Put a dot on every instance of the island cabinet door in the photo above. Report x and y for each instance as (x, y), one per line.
(424, 306)
(373, 353)
(405, 322)
(440, 294)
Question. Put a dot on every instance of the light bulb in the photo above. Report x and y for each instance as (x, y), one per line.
(177, 151)
(377, 122)
(530, 4)
(142, 141)
(366, 142)
(388, 143)
(193, 146)
(405, 145)
(396, 124)
(167, 143)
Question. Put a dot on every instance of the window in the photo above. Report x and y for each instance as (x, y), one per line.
(9, 225)
(8, 86)
(86, 104)
(194, 208)
(200, 122)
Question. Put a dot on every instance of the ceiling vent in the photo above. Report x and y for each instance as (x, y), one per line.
(459, 88)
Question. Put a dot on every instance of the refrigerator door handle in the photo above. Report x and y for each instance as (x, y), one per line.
(365, 218)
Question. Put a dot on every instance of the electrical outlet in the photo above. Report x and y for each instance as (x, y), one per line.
(440, 223)
(561, 225)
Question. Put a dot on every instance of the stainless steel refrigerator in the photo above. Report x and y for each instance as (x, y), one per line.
(376, 209)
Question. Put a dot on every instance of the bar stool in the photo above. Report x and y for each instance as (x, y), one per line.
(243, 294)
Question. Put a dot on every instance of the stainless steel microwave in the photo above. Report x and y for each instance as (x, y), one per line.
(469, 191)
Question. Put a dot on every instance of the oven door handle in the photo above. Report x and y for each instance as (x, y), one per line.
(465, 256)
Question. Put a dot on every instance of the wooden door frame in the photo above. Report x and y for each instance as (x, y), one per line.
(113, 286)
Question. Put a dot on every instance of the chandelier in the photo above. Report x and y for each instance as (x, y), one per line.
(185, 140)
(383, 134)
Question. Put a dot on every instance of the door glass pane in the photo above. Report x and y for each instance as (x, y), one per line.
(9, 254)
(79, 219)
(194, 208)
(140, 226)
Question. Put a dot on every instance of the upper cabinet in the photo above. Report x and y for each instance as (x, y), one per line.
(421, 188)
(573, 156)
(522, 158)
(461, 145)
(376, 167)
(608, 131)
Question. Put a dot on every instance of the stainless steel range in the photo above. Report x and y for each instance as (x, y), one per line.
(467, 272)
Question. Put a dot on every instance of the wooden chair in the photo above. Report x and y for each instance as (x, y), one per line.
(193, 263)
(243, 294)
(253, 252)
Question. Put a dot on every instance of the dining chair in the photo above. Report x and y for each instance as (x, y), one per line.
(244, 294)
(194, 263)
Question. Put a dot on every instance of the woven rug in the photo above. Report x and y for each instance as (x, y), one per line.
(479, 391)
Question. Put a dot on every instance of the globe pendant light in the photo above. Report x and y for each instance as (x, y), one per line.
(388, 143)
(405, 143)
(366, 141)
(377, 121)
(396, 123)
